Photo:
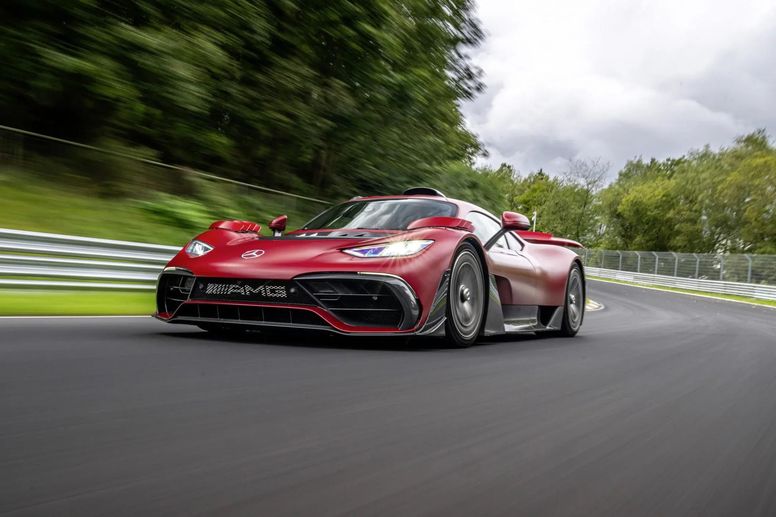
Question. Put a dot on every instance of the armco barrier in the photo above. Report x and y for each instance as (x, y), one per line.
(34, 259)
(763, 292)
(727, 267)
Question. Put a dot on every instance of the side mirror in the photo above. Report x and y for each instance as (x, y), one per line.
(278, 225)
(511, 221)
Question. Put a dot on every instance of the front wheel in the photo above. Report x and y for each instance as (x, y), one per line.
(574, 306)
(466, 298)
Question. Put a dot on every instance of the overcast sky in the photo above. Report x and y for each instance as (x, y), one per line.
(619, 79)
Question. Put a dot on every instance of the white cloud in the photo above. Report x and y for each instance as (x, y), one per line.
(618, 79)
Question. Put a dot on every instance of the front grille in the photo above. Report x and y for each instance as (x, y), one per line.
(173, 290)
(249, 314)
(356, 301)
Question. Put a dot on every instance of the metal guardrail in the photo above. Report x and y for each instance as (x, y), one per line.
(48, 260)
(760, 291)
(35, 259)
(731, 267)
(753, 276)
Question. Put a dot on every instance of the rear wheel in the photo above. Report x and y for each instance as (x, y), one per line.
(466, 298)
(574, 306)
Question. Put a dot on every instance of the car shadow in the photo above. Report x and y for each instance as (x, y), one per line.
(327, 340)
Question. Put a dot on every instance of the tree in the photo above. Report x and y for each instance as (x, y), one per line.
(584, 180)
(706, 201)
(566, 205)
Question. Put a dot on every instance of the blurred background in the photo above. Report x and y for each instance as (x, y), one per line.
(146, 120)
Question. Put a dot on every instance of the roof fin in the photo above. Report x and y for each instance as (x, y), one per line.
(423, 191)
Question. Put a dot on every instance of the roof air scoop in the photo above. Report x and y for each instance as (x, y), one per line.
(423, 191)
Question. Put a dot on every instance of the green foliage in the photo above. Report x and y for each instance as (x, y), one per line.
(176, 212)
(324, 97)
(706, 201)
(210, 201)
(32, 203)
(565, 205)
(483, 187)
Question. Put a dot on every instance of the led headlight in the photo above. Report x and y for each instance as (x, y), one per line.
(198, 248)
(390, 249)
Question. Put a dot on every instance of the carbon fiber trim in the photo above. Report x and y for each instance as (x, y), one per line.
(494, 320)
(435, 323)
(557, 320)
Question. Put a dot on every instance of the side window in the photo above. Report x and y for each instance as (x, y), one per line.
(501, 244)
(486, 227)
(514, 242)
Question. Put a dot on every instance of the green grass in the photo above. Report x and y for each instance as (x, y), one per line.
(40, 207)
(17, 302)
(28, 202)
(745, 299)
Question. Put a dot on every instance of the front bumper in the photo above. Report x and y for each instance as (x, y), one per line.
(352, 303)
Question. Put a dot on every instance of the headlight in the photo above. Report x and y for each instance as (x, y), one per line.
(391, 249)
(198, 248)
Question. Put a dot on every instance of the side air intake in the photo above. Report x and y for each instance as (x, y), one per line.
(422, 191)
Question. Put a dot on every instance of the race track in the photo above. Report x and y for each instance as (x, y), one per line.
(664, 405)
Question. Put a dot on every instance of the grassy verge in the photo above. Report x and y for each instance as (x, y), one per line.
(40, 207)
(35, 204)
(74, 303)
(731, 297)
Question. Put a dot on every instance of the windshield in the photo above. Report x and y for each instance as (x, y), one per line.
(380, 214)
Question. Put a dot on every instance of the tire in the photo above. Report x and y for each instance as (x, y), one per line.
(466, 298)
(573, 305)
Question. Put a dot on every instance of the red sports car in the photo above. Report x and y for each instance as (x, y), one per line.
(414, 264)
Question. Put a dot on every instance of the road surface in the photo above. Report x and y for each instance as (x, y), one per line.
(664, 405)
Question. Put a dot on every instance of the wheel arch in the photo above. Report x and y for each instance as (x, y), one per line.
(480, 252)
(492, 311)
(451, 332)
(578, 262)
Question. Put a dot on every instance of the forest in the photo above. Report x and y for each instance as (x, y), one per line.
(705, 201)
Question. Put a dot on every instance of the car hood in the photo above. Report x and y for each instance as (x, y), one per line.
(250, 255)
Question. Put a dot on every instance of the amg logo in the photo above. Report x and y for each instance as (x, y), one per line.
(267, 291)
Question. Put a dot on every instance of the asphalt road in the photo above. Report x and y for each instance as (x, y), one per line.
(663, 405)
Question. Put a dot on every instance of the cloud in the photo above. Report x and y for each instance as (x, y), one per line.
(584, 78)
